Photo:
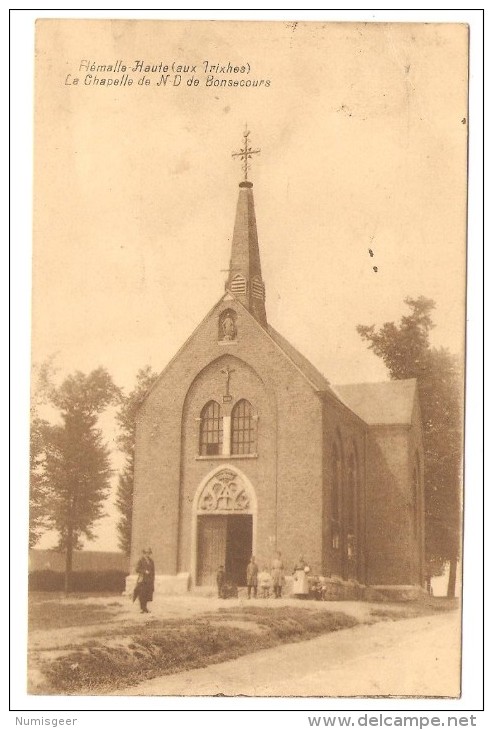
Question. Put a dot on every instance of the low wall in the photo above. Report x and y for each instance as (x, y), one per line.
(165, 585)
(84, 581)
(336, 589)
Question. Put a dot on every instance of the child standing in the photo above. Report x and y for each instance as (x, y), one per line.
(264, 582)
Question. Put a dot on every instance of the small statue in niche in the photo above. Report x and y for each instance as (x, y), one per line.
(228, 328)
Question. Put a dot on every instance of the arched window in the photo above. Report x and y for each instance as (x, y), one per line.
(415, 495)
(238, 284)
(336, 497)
(211, 429)
(243, 429)
(351, 514)
(258, 289)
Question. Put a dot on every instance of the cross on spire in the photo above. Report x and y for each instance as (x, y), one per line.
(246, 152)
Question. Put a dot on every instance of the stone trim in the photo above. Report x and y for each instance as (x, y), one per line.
(218, 457)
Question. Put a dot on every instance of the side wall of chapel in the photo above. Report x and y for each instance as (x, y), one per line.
(395, 511)
(344, 438)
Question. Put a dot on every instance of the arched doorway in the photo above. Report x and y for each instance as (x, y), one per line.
(224, 522)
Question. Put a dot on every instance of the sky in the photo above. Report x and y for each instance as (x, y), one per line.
(362, 130)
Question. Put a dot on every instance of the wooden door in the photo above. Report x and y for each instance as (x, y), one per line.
(238, 547)
(211, 547)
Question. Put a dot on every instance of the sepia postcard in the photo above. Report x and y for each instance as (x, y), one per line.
(248, 327)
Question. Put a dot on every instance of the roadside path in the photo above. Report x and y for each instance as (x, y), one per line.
(411, 657)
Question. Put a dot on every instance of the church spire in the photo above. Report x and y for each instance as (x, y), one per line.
(245, 275)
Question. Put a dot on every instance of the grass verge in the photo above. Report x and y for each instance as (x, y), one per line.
(134, 654)
(49, 611)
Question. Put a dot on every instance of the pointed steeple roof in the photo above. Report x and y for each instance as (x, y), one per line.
(245, 275)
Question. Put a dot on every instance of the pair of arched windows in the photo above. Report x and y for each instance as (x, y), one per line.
(238, 285)
(227, 435)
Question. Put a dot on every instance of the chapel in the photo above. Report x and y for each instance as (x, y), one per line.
(244, 448)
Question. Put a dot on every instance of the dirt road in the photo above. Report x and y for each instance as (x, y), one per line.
(413, 657)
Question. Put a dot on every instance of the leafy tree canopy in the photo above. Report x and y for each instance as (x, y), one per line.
(72, 474)
(126, 418)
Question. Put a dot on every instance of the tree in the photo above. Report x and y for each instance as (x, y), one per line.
(39, 512)
(126, 418)
(77, 464)
(39, 520)
(406, 351)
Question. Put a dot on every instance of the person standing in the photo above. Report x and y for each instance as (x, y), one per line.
(277, 573)
(220, 580)
(300, 578)
(264, 582)
(252, 577)
(144, 589)
(300, 565)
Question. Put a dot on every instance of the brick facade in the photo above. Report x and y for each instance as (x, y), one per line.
(334, 474)
(289, 456)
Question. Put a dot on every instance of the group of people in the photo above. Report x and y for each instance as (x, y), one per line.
(258, 581)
